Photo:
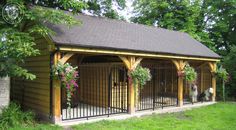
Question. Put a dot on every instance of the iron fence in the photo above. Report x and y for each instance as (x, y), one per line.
(102, 91)
(161, 91)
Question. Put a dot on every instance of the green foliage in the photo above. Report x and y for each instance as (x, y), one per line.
(17, 41)
(222, 31)
(12, 116)
(140, 75)
(222, 73)
(73, 5)
(174, 15)
(229, 62)
(104, 7)
(190, 73)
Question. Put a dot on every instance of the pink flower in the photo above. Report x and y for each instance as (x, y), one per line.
(68, 69)
(75, 74)
(68, 86)
(74, 83)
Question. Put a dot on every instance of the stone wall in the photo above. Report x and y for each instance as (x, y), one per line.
(4, 92)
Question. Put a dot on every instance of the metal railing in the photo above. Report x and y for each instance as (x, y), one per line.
(160, 92)
(102, 91)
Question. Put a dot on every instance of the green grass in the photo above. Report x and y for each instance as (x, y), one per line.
(38, 127)
(220, 116)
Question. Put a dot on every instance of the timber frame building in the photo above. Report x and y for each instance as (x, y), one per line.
(105, 51)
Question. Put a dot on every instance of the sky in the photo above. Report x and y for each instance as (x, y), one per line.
(127, 12)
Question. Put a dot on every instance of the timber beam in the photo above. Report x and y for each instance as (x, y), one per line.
(66, 57)
(135, 54)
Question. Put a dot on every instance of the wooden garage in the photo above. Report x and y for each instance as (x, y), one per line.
(105, 52)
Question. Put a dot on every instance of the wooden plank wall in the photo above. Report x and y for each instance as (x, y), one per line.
(203, 80)
(93, 85)
(119, 89)
(165, 79)
(35, 95)
(206, 79)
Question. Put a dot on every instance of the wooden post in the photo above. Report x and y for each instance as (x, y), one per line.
(131, 63)
(56, 94)
(180, 90)
(57, 87)
(212, 66)
(202, 80)
(180, 64)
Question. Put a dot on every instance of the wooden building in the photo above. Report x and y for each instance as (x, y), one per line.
(105, 51)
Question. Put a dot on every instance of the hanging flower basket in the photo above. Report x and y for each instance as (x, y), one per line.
(68, 76)
(140, 75)
(190, 74)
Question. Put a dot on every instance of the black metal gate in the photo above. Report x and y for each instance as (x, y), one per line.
(102, 91)
(161, 91)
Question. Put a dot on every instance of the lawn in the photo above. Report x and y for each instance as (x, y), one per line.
(220, 116)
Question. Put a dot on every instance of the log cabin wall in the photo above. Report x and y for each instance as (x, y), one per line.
(35, 95)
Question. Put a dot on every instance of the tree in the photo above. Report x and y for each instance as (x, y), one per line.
(180, 15)
(105, 7)
(17, 40)
(229, 63)
(222, 13)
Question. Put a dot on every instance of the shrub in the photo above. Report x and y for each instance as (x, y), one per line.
(12, 116)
